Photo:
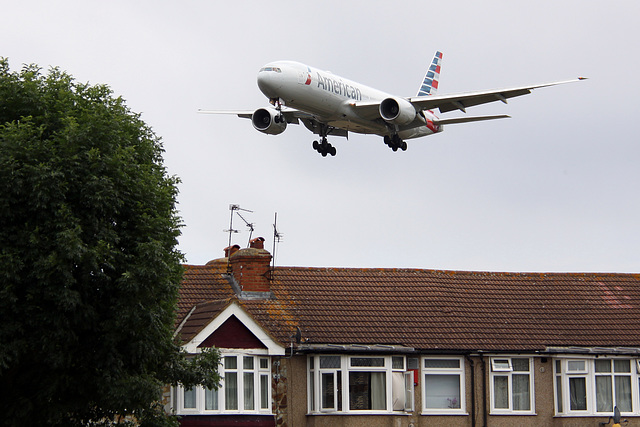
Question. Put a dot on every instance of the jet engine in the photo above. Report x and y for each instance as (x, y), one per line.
(269, 121)
(397, 111)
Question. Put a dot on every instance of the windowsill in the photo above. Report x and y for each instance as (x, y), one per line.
(196, 412)
(511, 414)
(394, 413)
(599, 415)
(440, 413)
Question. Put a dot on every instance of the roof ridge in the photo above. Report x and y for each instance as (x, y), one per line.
(461, 272)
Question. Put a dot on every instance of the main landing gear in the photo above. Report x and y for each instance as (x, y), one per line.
(324, 147)
(394, 142)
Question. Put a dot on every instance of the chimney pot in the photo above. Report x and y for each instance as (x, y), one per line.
(230, 250)
(257, 243)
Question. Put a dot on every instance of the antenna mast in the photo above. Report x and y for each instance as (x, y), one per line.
(231, 230)
(236, 208)
(277, 237)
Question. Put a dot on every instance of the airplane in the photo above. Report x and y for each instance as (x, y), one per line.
(330, 105)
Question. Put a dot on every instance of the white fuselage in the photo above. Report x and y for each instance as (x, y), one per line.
(331, 98)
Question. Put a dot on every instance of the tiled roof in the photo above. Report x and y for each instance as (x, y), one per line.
(202, 283)
(200, 316)
(437, 310)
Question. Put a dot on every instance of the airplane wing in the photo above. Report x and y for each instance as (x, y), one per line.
(461, 101)
(245, 114)
(457, 120)
(291, 114)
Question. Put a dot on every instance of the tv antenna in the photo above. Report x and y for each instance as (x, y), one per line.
(231, 230)
(277, 237)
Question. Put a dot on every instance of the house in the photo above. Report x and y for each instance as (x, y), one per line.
(354, 347)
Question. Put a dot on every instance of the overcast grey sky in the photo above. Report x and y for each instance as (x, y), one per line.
(554, 188)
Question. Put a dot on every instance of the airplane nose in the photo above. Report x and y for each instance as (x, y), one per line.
(269, 82)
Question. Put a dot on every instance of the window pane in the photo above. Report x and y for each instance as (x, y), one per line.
(397, 362)
(328, 362)
(247, 362)
(576, 366)
(190, 398)
(442, 391)
(442, 363)
(559, 393)
(210, 399)
(604, 398)
(248, 390)
(408, 391)
(231, 390)
(558, 366)
(398, 395)
(379, 390)
(501, 392)
(367, 361)
(623, 393)
(264, 391)
(230, 362)
(603, 365)
(578, 393)
(498, 365)
(264, 363)
(521, 365)
(367, 390)
(521, 397)
(312, 391)
(328, 391)
(339, 388)
(622, 365)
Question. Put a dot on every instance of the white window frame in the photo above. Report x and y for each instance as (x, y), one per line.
(501, 364)
(259, 370)
(589, 374)
(397, 393)
(459, 371)
(503, 372)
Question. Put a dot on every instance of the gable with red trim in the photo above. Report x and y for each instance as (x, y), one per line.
(232, 334)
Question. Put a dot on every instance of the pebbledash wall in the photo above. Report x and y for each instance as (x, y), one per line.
(277, 377)
(543, 414)
(290, 404)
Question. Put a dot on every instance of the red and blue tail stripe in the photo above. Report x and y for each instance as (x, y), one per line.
(430, 82)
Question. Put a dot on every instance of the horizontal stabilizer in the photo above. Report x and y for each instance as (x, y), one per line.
(468, 119)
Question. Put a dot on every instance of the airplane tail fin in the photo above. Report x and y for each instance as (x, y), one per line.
(430, 82)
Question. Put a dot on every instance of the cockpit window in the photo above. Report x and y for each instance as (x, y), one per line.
(276, 69)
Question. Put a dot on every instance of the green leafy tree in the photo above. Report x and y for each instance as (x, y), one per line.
(89, 270)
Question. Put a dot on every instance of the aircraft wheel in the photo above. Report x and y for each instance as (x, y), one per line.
(394, 148)
(404, 146)
(324, 153)
(316, 145)
(332, 150)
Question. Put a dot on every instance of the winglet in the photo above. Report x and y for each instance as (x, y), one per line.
(430, 83)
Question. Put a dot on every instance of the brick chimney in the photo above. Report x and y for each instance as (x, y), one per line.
(251, 267)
